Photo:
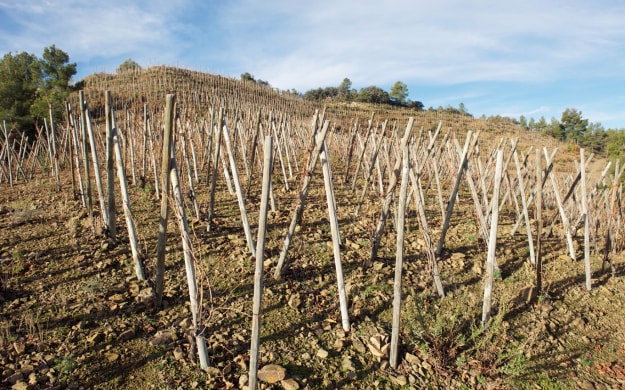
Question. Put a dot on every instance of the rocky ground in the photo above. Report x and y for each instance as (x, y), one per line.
(73, 314)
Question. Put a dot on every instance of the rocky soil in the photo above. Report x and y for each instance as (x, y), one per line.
(73, 315)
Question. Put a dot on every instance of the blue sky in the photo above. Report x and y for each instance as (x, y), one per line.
(530, 57)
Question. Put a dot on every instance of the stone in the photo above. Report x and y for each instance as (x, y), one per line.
(271, 373)
(322, 353)
(348, 365)
(117, 298)
(162, 337)
(32, 379)
(413, 359)
(185, 323)
(378, 346)
(20, 347)
(95, 338)
(243, 381)
(358, 345)
(295, 301)
(527, 294)
(20, 385)
(399, 380)
(111, 356)
(290, 384)
(178, 354)
(26, 369)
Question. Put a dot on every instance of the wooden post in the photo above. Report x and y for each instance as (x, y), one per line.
(336, 238)
(96, 170)
(153, 158)
(185, 157)
(388, 197)
(131, 146)
(586, 223)
(253, 156)
(299, 208)
(528, 228)
(162, 225)
(7, 145)
(454, 193)
(539, 221)
(492, 242)
(187, 249)
(563, 216)
(239, 192)
(110, 175)
(215, 165)
(130, 225)
(83, 196)
(258, 272)
(83, 125)
(54, 151)
(399, 256)
(362, 152)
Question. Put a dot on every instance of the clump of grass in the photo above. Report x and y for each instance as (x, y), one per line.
(448, 331)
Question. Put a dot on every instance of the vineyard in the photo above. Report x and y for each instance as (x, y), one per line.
(183, 230)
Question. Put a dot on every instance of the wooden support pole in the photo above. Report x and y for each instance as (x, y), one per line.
(258, 272)
(336, 238)
(492, 242)
(299, 208)
(162, 225)
(399, 256)
(130, 224)
(239, 192)
(187, 248)
(586, 222)
(539, 221)
(110, 174)
(454, 193)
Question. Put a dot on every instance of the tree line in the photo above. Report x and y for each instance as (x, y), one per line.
(398, 94)
(574, 128)
(30, 85)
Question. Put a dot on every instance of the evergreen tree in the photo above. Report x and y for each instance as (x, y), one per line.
(572, 126)
(399, 93)
(29, 85)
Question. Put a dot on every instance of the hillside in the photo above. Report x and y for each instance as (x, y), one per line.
(75, 314)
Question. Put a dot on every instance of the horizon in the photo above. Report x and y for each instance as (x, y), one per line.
(532, 59)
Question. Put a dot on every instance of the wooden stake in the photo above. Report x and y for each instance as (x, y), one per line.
(539, 221)
(162, 226)
(187, 249)
(399, 256)
(110, 175)
(454, 193)
(258, 272)
(299, 208)
(492, 242)
(239, 192)
(121, 176)
(336, 238)
(586, 222)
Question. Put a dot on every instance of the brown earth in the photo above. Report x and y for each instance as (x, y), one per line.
(73, 315)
